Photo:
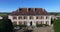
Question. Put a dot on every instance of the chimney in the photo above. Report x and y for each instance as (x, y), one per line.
(18, 9)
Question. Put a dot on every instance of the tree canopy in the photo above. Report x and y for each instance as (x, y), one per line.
(57, 25)
(6, 25)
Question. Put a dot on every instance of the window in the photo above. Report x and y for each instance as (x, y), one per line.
(14, 23)
(14, 17)
(36, 22)
(41, 22)
(25, 17)
(20, 17)
(31, 17)
(47, 17)
(20, 22)
(41, 17)
(25, 23)
(47, 22)
(37, 17)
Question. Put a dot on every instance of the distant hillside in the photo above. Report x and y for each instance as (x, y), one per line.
(4, 13)
(54, 13)
(51, 13)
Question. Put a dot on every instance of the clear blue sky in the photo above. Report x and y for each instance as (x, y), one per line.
(12, 5)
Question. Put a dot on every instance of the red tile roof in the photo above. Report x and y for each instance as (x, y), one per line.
(30, 11)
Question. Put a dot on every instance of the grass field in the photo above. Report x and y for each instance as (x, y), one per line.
(3, 14)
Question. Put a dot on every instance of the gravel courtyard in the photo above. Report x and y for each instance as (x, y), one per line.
(40, 29)
(43, 29)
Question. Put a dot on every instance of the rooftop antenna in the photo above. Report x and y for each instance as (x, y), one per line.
(43, 9)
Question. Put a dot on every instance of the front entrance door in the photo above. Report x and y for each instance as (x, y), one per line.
(31, 23)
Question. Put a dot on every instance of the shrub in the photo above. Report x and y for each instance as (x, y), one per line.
(22, 26)
(15, 25)
(39, 25)
(45, 25)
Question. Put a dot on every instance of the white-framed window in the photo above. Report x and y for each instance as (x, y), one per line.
(31, 17)
(36, 22)
(25, 23)
(14, 23)
(25, 17)
(14, 17)
(47, 17)
(47, 22)
(20, 17)
(20, 22)
(39, 17)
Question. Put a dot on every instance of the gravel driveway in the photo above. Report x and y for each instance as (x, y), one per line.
(43, 29)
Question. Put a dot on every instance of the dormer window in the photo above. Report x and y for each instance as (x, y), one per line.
(20, 9)
(35, 9)
(29, 9)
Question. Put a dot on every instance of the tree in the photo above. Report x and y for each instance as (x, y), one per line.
(52, 21)
(56, 25)
(6, 25)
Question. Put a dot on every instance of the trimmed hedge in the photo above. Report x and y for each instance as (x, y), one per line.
(41, 25)
(22, 25)
(56, 25)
